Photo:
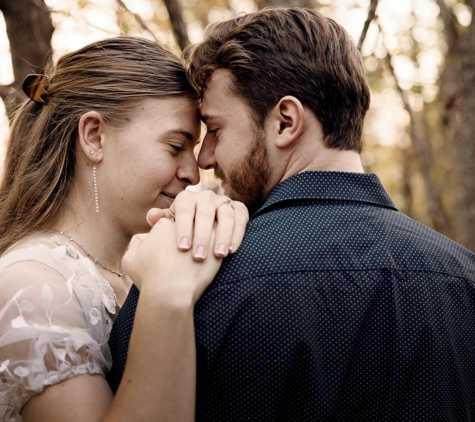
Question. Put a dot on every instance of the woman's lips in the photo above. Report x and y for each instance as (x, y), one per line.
(169, 197)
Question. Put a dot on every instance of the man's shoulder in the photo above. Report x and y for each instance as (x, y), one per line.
(342, 236)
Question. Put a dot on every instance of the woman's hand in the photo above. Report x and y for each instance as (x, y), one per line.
(154, 262)
(195, 214)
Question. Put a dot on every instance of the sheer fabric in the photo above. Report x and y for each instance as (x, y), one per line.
(55, 320)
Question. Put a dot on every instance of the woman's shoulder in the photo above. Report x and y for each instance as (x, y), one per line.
(52, 299)
(49, 259)
(54, 319)
(41, 248)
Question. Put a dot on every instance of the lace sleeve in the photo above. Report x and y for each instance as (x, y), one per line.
(53, 326)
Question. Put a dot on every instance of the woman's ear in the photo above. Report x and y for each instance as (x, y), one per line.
(91, 134)
(289, 118)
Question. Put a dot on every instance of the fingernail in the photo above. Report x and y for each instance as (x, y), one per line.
(231, 248)
(184, 243)
(200, 252)
(221, 250)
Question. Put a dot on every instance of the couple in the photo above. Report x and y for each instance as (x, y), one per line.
(336, 307)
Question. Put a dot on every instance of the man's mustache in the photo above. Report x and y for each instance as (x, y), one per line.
(219, 174)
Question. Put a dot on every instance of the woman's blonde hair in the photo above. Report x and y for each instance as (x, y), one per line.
(108, 76)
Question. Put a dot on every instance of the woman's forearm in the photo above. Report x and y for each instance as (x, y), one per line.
(159, 380)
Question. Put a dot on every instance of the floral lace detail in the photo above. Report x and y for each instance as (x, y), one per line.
(55, 323)
(93, 276)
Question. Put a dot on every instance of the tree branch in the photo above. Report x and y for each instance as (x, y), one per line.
(139, 19)
(449, 25)
(371, 15)
(178, 24)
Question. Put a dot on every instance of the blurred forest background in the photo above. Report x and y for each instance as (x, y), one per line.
(419, 57)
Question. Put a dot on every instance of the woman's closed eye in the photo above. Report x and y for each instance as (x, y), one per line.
(177, 147)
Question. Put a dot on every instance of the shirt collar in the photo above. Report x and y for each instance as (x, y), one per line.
(330, 185)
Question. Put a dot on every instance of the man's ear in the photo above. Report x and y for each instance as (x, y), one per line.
(91, 133)
(288, 119)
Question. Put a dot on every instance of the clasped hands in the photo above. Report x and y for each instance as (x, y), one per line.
(197, 214)
(195, 227)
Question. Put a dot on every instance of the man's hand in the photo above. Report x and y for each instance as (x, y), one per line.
(196, 214)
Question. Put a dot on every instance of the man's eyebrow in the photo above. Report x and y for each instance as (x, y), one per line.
(205, 117)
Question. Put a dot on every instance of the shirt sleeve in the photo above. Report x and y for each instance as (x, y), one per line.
(46, 336)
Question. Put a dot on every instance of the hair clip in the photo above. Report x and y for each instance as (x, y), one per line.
(36, 86)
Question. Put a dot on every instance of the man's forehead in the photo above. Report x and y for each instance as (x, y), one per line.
(217, 93)
(220, 80)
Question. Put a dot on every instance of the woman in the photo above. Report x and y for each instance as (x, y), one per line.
(108, 134)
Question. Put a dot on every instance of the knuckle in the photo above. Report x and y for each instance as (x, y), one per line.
(163, 223)
(184, 195)
(226, 211)
(185, 208)
(203, 196)
(207, 210)
(209, 194)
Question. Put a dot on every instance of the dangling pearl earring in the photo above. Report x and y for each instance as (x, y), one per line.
(94, 178)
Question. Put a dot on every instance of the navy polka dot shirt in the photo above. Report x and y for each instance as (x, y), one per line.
(337, 307)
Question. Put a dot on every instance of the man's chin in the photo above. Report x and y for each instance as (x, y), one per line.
(251, 205)
(229, 191)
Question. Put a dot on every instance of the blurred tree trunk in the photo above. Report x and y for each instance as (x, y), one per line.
(457, 91)
(29, 31)
(422, 149)
(176, 18)
(451, 112)
(406, 181)
(467, 144)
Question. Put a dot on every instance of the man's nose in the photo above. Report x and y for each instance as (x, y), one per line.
(206, 159)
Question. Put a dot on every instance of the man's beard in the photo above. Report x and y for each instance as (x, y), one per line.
(247, 180)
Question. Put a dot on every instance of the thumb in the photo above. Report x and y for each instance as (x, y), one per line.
(155, 214)
(131, 255)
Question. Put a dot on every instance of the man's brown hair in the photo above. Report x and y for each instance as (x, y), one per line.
(277, 52)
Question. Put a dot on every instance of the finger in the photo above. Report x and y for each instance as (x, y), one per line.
(131, 253)
(213, 264)
(204, 221)
(155, 214)
(241, 218)
(183, 209)
(225, 216)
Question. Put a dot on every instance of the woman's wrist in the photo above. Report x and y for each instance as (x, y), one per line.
(169, 296)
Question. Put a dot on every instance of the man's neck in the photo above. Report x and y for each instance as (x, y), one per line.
(326, 160)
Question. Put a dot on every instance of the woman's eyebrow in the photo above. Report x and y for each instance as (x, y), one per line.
(182, 132)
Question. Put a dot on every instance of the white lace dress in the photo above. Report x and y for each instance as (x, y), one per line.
(55, 320)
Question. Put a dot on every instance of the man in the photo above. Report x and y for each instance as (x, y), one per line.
(336, 307)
